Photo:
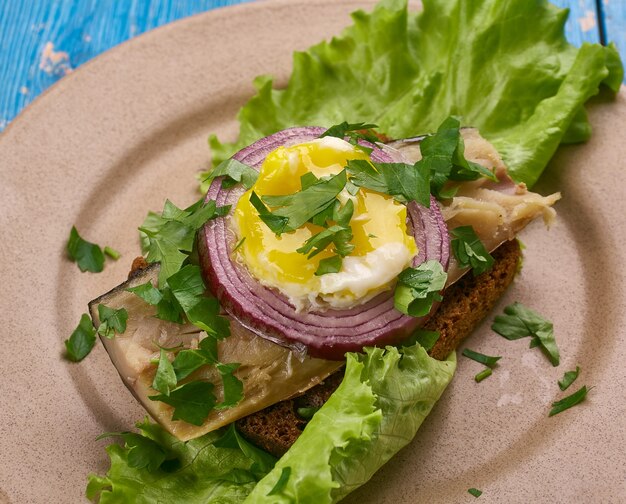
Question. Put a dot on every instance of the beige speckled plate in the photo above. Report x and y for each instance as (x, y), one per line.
(126, 131)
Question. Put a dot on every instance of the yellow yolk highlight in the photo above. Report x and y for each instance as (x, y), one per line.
(382, 247)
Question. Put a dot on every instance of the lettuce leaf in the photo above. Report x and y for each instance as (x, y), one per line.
(377, 409)
(504, 67)
(219, 467)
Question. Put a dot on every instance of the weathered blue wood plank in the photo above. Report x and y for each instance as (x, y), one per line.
(583, 23)
(42, 40)
(614, 23)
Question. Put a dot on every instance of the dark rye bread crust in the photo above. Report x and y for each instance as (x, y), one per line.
(465, 304)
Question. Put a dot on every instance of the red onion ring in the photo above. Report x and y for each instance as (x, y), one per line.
(326, 334)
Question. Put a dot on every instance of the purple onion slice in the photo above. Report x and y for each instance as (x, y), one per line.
(325, 334)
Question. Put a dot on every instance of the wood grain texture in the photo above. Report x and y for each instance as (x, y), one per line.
(614, 23)
(71, 32)
(43, 40)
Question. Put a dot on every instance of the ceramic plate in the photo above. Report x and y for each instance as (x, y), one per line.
(129, 129)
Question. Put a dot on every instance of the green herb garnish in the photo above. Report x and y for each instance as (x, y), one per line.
(569, 401)
(112, 321)
(470, 251)
(112, 253)
(418, 288)
(475, 492)
(568, 378)
(329, 265)
(169, 238)
(192, 401)
(165, 377)
(354, 133)
(520, 322)
(148, 292)
(234, 172)
(82, 340)
(402, 181)
(87, 255)
(300, 207)
(487, 360)
(308, 412)
(483, 374)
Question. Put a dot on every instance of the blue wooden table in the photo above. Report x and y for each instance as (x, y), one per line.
(43, 40)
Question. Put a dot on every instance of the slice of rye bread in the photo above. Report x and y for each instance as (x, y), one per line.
(465, 304)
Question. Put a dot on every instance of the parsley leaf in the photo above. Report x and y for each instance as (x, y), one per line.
(187, 287)
(234, 172)
(169, 238)
(87, 255)
(281, 484)
(263, 461)
(277, 224)
(470, 251)
(443, 156)
(483, 374)
(112, 253)
(165, 377)
(329, 265)
(82, 340)
(233, 387)
(520, 322)
(300, 207)
(307, 412)
(568, 378)
(475, 492)
(418, 288)
(569, 401)
(487, 360)
(192, 401)
(402, 181)
(148, 292)
(111, 321)
(354, 133)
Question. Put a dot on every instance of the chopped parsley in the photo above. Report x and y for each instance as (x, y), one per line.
(300, 207)
(487, 360)
(165, 377)
(148, 292)
(329, 265)
(475, 492)
(307, 412)
(354, 133)
(82, 340)
(418, 288)
(568, 378)
(520, 322)
(403, 181)
(88, 256)
(112, 321)
(443, 156)
(569, 401)
(169, 238)
(192, 401)
(234, 172)
(112, 253)
(470, 251)
(483, 374)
